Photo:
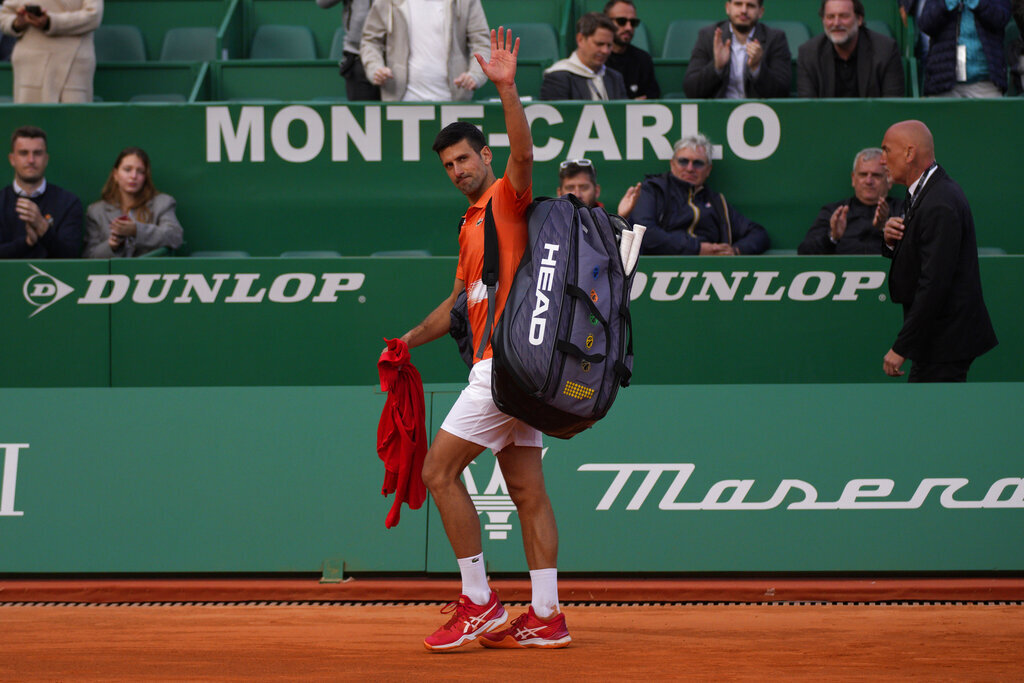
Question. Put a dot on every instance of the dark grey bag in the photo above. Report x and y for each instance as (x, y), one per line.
(564, 343)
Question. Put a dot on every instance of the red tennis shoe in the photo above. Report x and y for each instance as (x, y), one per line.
(529, 630)
(469, 621)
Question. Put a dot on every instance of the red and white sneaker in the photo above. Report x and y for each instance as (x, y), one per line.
(469, 621)
(529, 630)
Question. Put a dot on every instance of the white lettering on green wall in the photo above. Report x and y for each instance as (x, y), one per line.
(9, 481)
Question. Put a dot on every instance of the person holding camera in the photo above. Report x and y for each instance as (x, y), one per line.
(132, 217)
(357, 85)
(54, 59)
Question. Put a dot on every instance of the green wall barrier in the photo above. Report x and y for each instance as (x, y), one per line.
(312, 322)
(362, 178)
(796, 478)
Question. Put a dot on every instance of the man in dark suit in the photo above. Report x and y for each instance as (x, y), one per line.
(584, 76)
(739, 58)
(934, 271)
(848, 60)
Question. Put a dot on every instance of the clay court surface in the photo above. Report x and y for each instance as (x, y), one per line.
(611, 642)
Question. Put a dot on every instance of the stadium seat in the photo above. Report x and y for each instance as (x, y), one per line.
(878, 26)
(681, 36)
(538, 41)
(275, 41)
(796, 32)
(190, 44)
(337, 44)
(159, 97)
(119, 43)
(220, 254)
(322, 253)
(401, 253)
(642, 38)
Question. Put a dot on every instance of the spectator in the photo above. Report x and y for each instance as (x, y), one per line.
(1017, 54)
(913, 8)
(854, 225)
(635, 65)
(584, 76)
(739, 57)
(848, 59)
(37, 219)
(579, 177)
(404, 42)
(684, 216)
(132, 217)
(54, 59)
(357, 85)
(966, 57)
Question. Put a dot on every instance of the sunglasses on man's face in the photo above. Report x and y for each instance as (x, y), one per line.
(695, 163)
(622, 21)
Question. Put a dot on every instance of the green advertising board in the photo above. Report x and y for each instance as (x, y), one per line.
(322, 322)
(739, 478)
(361, 178)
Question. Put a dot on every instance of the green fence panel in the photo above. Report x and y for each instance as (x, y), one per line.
(278, 80)
(121, 82)
(768, 478)
(198, 480)
(71, 349)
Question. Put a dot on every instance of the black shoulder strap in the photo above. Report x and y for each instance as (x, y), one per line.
(490, 274)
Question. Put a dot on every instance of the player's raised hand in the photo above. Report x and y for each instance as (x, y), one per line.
(501, 68)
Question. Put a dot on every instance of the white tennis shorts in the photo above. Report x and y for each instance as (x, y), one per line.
(475, 418)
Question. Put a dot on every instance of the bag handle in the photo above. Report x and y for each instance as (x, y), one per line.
(490, 274)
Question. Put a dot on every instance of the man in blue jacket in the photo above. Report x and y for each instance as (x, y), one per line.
(967, 56)
(37, 219)
(683, 216)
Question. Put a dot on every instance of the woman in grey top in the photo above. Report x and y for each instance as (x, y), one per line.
(131, 218)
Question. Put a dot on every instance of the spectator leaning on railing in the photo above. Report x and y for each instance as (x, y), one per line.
(54, 59)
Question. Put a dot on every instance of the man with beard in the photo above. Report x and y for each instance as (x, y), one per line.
(37, 219)
(740, 57)
(635, 65)
(848, 60)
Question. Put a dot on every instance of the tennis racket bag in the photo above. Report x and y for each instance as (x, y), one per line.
(564, 343)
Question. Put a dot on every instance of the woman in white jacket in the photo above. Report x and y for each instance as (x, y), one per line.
(422, 50)
(54, 59)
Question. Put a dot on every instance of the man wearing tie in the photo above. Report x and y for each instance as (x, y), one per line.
(934, 271)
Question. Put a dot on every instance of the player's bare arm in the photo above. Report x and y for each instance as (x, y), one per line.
(501, 70)
(436, 324)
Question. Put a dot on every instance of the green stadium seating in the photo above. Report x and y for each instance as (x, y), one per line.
(159, 97)
(277, 41)
(538, 41)
(119, 43)
(305, 80)
(220, 254)
(681, 36)
(190, 44)
(641, 38)
(879, 26)
(796, 32)
(337, 44)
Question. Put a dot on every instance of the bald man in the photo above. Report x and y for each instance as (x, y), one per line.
(934, 271)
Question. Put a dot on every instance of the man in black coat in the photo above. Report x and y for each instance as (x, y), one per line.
(635, 65)
(934, 271)
(739, 58)
(854, 225)
(848, 60)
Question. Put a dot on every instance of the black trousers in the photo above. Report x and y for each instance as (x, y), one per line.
(939, 372)
(357, 86)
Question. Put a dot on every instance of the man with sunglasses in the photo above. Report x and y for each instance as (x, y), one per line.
(740, 57)
(685, 217)
(635, 65)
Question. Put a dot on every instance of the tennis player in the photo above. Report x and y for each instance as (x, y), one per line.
(474, 422)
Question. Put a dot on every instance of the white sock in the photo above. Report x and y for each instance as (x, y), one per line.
(474, 579)
(545, 592)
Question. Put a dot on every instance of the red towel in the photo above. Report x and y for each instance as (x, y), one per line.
(402, 431)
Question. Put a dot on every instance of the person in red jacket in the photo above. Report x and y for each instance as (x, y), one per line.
(474, 422)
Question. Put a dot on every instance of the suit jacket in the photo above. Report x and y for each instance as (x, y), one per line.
(56, 65)
(702, 80)
(935, 275)
(564, 85)
(879, 68)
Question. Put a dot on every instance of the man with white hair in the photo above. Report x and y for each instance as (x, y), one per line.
(854, 225)
(848, 59)
(684, 216)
